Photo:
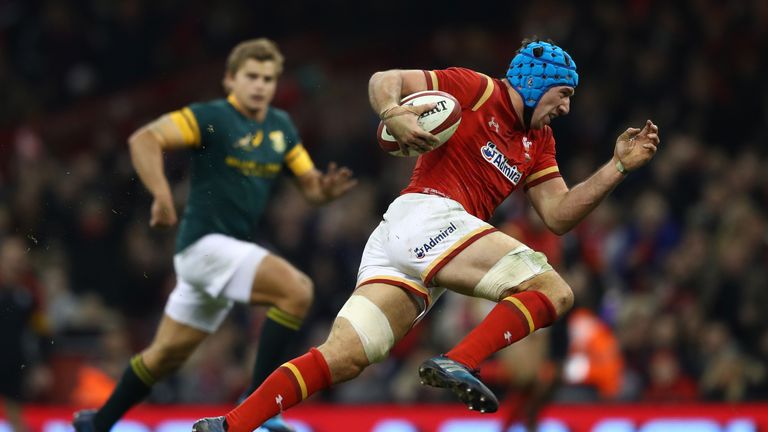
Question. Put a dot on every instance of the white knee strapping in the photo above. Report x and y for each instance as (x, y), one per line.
(511, 270)
(371, 325)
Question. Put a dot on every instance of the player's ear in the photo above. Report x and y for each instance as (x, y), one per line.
(227, 82)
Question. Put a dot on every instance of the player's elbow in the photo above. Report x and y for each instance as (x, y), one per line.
(133, 139)
(382, 76)
(558, 222)
(142, 138)
(559, 227)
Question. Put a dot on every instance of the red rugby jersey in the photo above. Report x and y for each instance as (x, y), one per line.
(491, 153)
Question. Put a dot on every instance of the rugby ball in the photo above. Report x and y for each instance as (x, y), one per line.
(441, 121)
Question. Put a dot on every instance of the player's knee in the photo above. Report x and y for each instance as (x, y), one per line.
(361, 335)
(512, 272)
(554, 288)
(561, 297)
(305, 292)
(356, 365)
(371, 326)
(345, 362)
(298, 295)
(349, 367)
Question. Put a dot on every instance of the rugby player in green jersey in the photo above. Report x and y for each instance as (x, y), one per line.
(239, 147)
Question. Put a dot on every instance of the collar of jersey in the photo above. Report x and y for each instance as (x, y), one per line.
(511, 107)
(235, 104)
(233, 101)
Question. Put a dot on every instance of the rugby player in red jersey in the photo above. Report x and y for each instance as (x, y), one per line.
(434, 236)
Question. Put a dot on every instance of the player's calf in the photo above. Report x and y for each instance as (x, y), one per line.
(287, 386)
(364, 332)
(172, 345)
(531, 296)
(163, 359)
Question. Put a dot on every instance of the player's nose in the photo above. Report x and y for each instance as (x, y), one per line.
(565, 107)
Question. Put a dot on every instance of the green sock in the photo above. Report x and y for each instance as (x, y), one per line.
(280, 329)
(135, 385)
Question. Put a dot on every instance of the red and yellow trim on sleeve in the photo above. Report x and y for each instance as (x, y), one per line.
(541, 176)
(483, 93)
(454, 250)
(299, 161)
(403, 283)
(431, 77)
(185, 120)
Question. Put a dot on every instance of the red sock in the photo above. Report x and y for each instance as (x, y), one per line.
(288, 385)
(512, 319)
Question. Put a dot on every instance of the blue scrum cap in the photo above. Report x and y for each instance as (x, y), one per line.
(539, 66)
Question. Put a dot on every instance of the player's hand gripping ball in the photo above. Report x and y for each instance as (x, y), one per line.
(441, 121)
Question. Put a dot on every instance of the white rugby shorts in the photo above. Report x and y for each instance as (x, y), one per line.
(419, 234)
(212, 274)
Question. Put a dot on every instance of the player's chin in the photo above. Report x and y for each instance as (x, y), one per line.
(256, 106)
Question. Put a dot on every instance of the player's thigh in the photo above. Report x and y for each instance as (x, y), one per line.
(467, 268)
(173, 341)
(278, 282)
(345, 344)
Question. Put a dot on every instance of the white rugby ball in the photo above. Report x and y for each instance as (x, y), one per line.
(441, 121)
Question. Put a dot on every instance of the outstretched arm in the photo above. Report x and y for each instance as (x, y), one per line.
(562, 208)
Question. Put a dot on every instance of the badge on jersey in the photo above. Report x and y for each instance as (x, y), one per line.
(278, 141)
(493, 124)
(527, 146)
(250, 141)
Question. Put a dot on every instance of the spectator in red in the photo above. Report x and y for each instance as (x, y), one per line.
(667, 382)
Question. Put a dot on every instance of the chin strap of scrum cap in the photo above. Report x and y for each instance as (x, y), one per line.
(536, 68)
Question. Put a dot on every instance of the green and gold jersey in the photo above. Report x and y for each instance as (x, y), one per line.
(235, 163)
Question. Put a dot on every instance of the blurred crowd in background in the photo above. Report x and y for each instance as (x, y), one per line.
(670, 272)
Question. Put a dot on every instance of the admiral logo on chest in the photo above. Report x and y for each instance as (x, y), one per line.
(493, 156)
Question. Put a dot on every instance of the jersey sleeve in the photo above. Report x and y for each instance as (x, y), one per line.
(186, 120)
(470, 88)
(545, 166)
(297, 158)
